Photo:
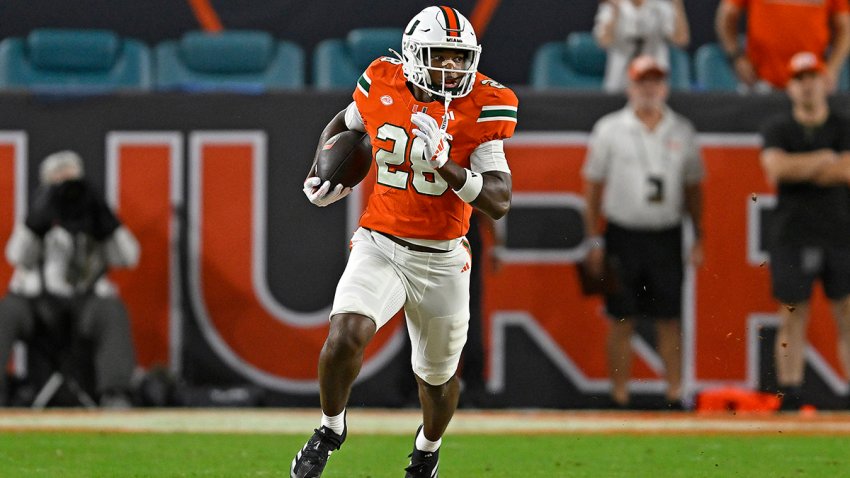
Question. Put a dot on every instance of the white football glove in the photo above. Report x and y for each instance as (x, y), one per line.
(323, 195)
(435, 138)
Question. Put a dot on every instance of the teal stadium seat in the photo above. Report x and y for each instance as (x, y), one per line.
(680, 69)
(713, 72)
(580, 64)
(245, 61)
(74, 61)
(337, 62)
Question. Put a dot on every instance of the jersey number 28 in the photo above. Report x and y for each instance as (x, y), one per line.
(425, 179)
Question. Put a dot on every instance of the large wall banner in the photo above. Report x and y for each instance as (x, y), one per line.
(238, 270)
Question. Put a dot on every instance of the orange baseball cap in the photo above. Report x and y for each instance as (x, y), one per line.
(805, 62)
(645, 65)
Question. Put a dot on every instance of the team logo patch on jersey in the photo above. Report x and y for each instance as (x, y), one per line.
(387, 100)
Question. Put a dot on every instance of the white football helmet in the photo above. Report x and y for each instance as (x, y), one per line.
(440, 28)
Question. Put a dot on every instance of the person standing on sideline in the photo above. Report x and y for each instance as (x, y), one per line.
(775, 31)
(627, 29)
(437, 127)
(806, 153)
(643, 173)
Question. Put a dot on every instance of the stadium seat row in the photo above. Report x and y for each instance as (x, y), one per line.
(579, 63)
(95, 61)
(249, 61)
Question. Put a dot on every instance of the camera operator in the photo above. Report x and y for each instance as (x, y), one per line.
(59, 292)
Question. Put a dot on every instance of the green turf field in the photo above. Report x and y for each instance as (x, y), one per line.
(93, 454)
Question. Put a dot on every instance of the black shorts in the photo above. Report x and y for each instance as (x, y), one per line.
(794, 269)
(650, 272)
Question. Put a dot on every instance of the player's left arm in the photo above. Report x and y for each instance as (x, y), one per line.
(487, 184)
(494, 196)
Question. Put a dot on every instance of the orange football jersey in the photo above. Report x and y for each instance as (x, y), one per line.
(776, 30)
(410, 199)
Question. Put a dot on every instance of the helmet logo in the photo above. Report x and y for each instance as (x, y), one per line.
(412, 28)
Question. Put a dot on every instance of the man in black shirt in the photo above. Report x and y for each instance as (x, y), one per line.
(807, 154)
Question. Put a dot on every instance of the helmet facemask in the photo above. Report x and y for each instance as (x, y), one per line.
(440, 28)
(418, 59)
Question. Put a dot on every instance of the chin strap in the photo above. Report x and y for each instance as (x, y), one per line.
(397, 54)
(444, 126)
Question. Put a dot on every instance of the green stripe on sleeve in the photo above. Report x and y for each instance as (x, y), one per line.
(497, 112)
(364, 83)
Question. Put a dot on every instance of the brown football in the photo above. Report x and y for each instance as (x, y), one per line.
(345, 158)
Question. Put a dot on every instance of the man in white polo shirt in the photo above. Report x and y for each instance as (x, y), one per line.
(643, 175)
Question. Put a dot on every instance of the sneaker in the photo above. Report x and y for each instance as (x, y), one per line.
(423, 464)
(311, 460)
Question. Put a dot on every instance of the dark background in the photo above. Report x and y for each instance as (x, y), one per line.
(516, 29)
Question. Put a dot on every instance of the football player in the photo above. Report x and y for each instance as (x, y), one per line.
(437, 126)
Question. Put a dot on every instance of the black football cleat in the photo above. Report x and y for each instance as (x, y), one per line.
(423, 464)
(311, 460)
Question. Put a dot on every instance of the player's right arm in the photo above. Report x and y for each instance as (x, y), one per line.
(345, 120)
(335, 126)
(319, 193)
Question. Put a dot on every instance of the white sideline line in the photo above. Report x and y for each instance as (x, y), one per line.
(400, 422)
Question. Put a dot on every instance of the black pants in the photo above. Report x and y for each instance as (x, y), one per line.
(54, 323)
(650, 272)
